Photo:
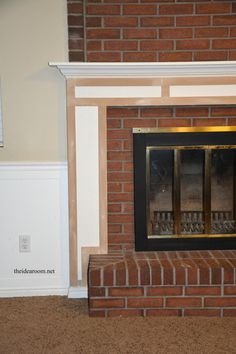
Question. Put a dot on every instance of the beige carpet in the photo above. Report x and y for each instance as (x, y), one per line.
(62, 326)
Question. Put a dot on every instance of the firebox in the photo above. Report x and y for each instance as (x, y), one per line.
(185, 188)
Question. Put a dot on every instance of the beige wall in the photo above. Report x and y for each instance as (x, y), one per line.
(32, 33)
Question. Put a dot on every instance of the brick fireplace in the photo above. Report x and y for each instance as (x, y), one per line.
(105, 101)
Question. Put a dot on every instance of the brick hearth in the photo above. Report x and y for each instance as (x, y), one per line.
(183, 283)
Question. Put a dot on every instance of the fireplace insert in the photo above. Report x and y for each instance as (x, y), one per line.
(185, 188)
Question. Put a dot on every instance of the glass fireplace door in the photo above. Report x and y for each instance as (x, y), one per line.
(160, 191)
(223, 191)
(191, 175)
(190, 191)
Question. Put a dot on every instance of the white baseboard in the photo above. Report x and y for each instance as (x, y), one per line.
(79, 292)
(72, 292)
(32, 292)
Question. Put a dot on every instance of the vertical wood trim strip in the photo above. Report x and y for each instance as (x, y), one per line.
(71, 145)
(165, 88)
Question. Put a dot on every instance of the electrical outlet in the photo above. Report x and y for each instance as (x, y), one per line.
(24, 243)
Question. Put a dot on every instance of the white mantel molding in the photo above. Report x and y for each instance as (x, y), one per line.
(209, 68)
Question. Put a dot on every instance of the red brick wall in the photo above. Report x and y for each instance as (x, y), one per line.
(75, 11)
(148, 30)
(120, 156)
(151, 30)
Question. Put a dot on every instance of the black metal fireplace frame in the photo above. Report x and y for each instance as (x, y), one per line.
(143, 138)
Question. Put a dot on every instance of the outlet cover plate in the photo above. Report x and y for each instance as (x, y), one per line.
(24, 243)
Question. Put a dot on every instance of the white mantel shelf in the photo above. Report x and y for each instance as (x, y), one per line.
(209, 68)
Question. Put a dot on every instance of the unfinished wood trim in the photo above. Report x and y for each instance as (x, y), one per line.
(214, 80)
(71, 143)
(103, 222)
(165, 84)
(160, 101)
(118, 82)
(165, 89)
(156, 81)
(85, 253)
(207, 100)
(224, 80)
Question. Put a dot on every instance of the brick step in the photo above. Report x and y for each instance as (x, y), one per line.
(183, 283)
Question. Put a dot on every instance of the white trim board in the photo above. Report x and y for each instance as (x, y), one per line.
(86, 119)
(117, 91)
(71, 293)
(5, 293)
(79, 292)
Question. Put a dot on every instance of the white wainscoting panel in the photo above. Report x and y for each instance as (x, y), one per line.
(34, 201)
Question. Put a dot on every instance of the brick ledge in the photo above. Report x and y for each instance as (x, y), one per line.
(183, 283)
